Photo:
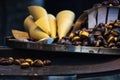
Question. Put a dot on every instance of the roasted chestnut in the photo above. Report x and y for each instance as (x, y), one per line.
(102, 35)
(30, 61)
(111, 45)
(38, 63)
(25, 65)
(83, 34)
(18, 61)
(76, 38)
(65, 41)
(6, 61)
(116, 31)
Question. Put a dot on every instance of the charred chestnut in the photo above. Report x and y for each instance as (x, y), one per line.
(76, 38)
(30, 61)
(38, 63)
(25, 65)
(6, 61)
(18, 61)
(83, 34)
(65, 41)
(71, 35)
(111, 45)
(116, 31)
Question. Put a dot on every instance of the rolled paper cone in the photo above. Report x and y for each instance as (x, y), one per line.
(35, 32)
(43, 23)
(37, 11)
(53, 25)
(20, 34)
(41, 18)
(29, 23)
(38, 34)
(65, 20)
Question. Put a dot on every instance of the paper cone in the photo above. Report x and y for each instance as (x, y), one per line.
(43, 23)
(65, 20)
(40, 16)
(29, 23)
(37, 11)
(37, 34)
(20, 34)
(53, 25)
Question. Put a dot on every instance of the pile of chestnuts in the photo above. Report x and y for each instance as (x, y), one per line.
(108, 3)
(102, 35)
(24, 63)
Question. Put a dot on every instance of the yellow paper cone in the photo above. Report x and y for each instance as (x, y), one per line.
(29, 23)
(37, 11)
(40, 16)
(43, 23)
(20, 34)
(53, 25)
(37, 34)
(65, 20)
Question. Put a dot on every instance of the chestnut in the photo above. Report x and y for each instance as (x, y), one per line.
(5, 61)
(76, 38)
(83, 34)
(38, 63)
(18, 61)
(25, 65)
(111, 45)
(30, 61)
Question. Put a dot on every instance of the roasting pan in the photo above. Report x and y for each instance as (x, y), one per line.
(93, 16)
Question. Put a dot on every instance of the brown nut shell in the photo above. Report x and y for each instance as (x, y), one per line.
(37, 63)
(30, 61)
(25, 65)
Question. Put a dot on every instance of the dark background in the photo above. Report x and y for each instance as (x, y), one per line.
(13, 12)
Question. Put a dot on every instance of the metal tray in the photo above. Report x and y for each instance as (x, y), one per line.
(96, 14)
(13, 43)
